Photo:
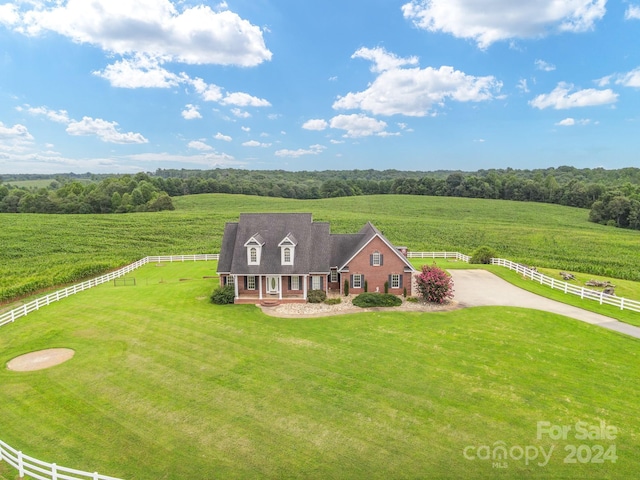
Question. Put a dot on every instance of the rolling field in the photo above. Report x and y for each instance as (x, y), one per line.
(40, 251)
(166, 385)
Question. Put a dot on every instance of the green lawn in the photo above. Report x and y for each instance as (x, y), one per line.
(166, 385)
(42, 251)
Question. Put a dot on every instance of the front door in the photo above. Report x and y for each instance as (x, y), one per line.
(273, 284)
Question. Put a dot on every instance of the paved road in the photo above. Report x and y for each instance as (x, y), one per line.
(474, 288)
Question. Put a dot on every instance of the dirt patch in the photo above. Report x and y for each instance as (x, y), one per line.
(40, 360)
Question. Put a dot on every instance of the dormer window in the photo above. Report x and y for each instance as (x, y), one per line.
(254, 249)
(287, 249)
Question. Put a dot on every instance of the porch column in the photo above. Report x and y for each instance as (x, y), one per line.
(279, 287)
(235, 285)
(326, 284)
(304, 286)
(260, 287)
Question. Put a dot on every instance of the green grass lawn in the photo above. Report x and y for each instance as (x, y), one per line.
(42, 251)
(166, 385)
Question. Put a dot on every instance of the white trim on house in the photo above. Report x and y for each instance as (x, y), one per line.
(393, 249)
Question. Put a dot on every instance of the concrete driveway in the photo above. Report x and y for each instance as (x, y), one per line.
(474, 288)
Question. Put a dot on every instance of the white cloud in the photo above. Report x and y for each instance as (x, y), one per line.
(199, 145)
(632, 13)
(104, 130)
(567, 122)
(629, 79)
(544, 66)
(570, 122)
(522, 85)
(242, 99)
(58, 116)
(240, 113)
(224, 138)
(191, 112)
(561, 99)
(383, 60)
(414, 91)
(312, 150)
(9, 14)
(211, 159)
(154, 28)
(358, 125)
(139, 71)
(315, 124)
(14, 139)
(209, 92)
(245, 129)
(254, 143)
(487, 22)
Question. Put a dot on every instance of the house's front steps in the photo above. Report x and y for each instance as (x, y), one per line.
(268, 301)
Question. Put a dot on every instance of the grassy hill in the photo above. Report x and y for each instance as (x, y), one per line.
(40, 251)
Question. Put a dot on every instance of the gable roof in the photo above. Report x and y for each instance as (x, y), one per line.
(316, 249)
(364, 237)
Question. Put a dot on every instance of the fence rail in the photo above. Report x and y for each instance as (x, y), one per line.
(456, 255)
(23, 310)
(600, 297)
(40, 470)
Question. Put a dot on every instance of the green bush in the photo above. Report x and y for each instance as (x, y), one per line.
(333, 301)
(346, 288)
(386, 287)
(223, 295)
(412, 299)
(365, 300)
(316, 296)
(483, 255)
(366, 287)
(404, 292)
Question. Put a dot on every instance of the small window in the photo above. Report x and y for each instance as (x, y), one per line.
(253, 255)
(251, 283)
(357, 281)
(395, 280)
(375, 261)
(316, 283)
(334, 276)
(295, 283)
(287, 255)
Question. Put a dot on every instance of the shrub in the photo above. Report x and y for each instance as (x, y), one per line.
(223, 295)
(366, 287)
(333, 301)
(386, 287)
(316, 296)
(412, 299)
(346, 288)
(365, 300)
(482, 255)
(434, 284)
(404, 292)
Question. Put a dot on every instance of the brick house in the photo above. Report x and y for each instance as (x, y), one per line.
(281, 256)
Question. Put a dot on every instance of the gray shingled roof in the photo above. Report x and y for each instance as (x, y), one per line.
(317, 250)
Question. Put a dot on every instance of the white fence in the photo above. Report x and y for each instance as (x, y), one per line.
(456, 255)
(35, 468)
(600, 297)
(40, 302)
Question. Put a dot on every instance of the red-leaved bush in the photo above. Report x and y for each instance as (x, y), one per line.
(434, 284)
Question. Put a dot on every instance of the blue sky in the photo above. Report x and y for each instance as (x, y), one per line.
(117, 86)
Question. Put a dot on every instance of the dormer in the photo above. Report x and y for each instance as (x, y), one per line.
(254, 249)
(287, 249)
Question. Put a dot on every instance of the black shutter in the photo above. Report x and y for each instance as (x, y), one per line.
(245, 282)
(289, 283)
(321, 283)
(401, 278)
(381, 259)
(371, 260)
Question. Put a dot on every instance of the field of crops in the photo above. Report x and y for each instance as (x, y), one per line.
(41, 251)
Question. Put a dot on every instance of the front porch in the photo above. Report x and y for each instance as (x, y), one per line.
(274, 289)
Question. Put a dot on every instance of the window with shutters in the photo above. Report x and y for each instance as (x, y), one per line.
(357, 281)
(251, 283)
(295, 283)
(395, 280)
(375, 259)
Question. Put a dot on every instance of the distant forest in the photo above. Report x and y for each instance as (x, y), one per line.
(612, 195)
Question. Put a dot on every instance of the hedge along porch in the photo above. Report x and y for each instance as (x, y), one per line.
(285, 255)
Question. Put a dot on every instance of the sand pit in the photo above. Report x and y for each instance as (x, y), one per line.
(40, 360)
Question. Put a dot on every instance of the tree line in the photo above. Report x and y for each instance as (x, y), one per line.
(612, 195)
(117, 194)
